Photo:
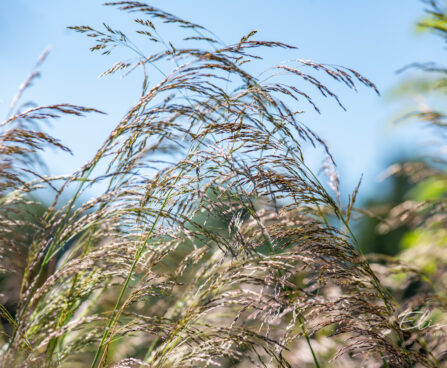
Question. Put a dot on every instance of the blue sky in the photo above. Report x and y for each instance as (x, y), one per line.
(373, 37)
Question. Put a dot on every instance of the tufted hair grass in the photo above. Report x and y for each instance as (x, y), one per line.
(213, 242)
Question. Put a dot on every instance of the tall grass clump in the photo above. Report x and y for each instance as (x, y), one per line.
(213, 243)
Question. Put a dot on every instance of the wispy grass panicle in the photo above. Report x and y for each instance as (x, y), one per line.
(213, 243)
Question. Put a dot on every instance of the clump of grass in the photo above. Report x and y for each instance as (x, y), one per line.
(213, 243)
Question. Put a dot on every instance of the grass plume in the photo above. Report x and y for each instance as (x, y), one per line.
(213, 242)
